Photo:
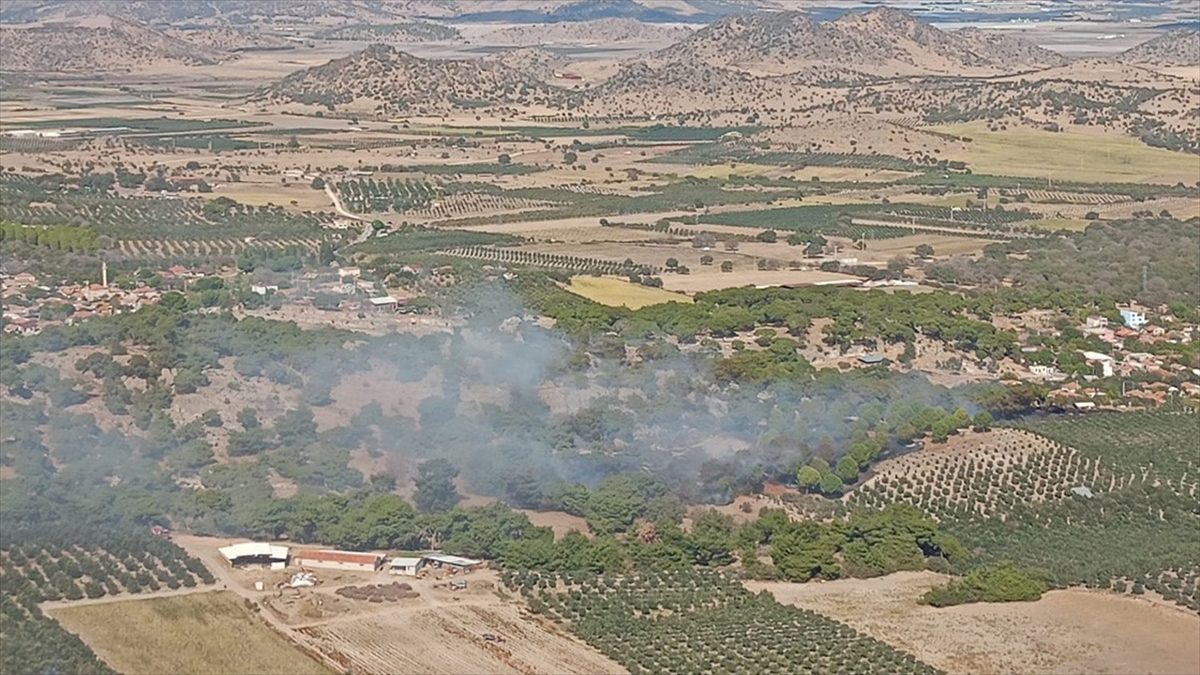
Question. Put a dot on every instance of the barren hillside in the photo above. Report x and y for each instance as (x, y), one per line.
(230, 39)
(386, 80)
(97, 44)
(408, 32)
(1175, 48)
(600, 31)
(883, 42)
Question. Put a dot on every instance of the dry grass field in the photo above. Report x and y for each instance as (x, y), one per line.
(450, 639)
(198, 633)
(1071, 156)
(620, 293)
(1068, 632)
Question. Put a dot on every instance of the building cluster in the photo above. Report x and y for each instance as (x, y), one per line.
(1135, 377)
(30, 307)
(277, 557)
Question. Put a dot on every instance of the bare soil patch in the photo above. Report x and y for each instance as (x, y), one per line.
(1068, 631)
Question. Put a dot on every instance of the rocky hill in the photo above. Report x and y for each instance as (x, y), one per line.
(230, 39)
(535, 62)
(599, 31)
(225, 12)
(1174, 48)
(385, 80)
(406, 32)
(1007, 50)
(96, 44)
(881, 42)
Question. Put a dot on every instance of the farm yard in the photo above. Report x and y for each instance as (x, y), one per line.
(200, 633)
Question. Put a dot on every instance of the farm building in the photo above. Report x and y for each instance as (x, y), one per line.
(451, 563)
(385, 303)
(256, 553)
(404, 566)
(871, 359)
(339, 560)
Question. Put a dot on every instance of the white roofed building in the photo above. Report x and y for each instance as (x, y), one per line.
(255, 553)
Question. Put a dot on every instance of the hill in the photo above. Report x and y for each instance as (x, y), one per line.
(223, 12)
(600, 31)
(101, 43)
(533, 61)
(230, 39)
(1173, 48)
(383, 79)
(1000, 48)
(408, 31)
(881, 42)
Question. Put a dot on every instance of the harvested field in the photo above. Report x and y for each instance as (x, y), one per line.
(452, 639)
(1071, 156)
(198, 633)
(1069, 631)
(620, 293)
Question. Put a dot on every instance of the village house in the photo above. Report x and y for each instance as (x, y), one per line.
(1132, 317)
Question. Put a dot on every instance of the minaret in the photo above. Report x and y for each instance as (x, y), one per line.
(104, 273)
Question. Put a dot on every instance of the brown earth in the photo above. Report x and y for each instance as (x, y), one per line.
(1067, 631)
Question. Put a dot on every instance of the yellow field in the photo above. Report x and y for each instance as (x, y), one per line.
(1075, 156)
(620, 293)
(197, 633)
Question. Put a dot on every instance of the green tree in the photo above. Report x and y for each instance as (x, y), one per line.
(831, 484)
(435, 486)
(808, 477)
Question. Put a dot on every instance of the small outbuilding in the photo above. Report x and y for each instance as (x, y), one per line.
(451, 563)
(404, 566)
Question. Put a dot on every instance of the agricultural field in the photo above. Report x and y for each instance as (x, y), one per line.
(620, 292)
(1070, 156)
(688, 621)
(1062, 478)
(78, 566)
(198, 633)
(451, 639)
(1066, 632)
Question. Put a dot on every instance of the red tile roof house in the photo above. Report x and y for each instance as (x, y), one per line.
(338, 560)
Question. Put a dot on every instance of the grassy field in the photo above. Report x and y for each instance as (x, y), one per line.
(621, 293)
(1087, 157)
(198, 633)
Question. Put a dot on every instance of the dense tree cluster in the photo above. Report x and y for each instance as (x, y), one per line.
(1153, 261)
